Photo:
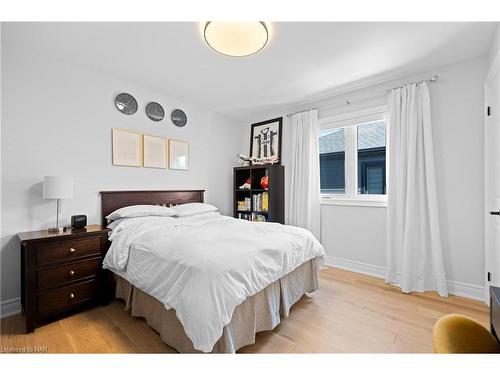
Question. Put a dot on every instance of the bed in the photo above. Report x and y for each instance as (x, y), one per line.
(207, 283)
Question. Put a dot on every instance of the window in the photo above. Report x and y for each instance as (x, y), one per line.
(352, 154)
(371, 158)
(332, 161)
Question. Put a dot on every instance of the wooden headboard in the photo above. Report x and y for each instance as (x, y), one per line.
(113, 200)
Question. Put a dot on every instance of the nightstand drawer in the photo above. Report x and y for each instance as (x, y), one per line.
(55, 276)
(67, 250)
(66, 297)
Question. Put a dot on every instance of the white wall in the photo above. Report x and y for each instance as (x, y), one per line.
(57, 120)
(495, 46)
(357, 234)
(354, 233)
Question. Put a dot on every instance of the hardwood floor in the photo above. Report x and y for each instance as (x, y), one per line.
(350, 313)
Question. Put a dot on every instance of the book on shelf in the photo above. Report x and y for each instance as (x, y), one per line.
(265, 201)
(258, 217)
(260, 202)
(244, 216)
(244, 205)
(254, 216)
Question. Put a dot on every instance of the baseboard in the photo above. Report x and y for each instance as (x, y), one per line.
(456, 288)
(466, 290)
(10, 307)
(352, 265)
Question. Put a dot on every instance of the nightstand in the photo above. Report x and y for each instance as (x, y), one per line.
(62, 272)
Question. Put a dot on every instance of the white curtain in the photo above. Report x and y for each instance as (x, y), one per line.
(414, 253)
(301, 158)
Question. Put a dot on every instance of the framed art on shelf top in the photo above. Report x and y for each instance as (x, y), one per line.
(265, 140)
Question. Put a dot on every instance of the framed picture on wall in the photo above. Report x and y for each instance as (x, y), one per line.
(126, 148)
(178, 154)
(154, 152)
(265, 140)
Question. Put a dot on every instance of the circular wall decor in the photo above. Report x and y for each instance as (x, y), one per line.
(126, 103)
(155, 111)
(178, 117)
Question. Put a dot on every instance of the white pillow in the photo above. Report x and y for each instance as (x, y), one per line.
(112, 225)
(121, 224)
(189, 209)
(141, 210)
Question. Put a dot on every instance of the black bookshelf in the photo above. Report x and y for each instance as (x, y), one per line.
(275, 190)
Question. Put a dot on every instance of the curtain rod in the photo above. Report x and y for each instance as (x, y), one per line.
(434, 78)
(310, 109)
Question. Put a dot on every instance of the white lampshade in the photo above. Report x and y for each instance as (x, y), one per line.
(57, 187)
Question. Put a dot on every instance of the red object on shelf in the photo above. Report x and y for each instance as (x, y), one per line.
(264, 182)
(247, 185)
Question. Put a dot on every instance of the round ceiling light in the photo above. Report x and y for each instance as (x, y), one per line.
(236, 38)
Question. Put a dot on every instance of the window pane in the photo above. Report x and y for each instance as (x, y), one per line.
(332, 161)
(371, 158)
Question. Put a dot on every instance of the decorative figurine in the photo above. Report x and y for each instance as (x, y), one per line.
(245, 160)
(264, 161)
(249, 161)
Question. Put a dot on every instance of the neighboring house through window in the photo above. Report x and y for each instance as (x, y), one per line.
(352, 152)
(332, 161)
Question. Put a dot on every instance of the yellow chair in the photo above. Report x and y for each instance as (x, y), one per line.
(456, 333)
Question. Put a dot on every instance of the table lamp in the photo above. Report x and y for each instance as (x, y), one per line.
(57, 187)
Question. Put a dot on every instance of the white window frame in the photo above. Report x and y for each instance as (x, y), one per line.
(350, 121)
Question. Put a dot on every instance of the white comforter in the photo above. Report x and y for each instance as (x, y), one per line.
(205, 266)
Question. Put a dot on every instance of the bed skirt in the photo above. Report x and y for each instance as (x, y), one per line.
(261, 312)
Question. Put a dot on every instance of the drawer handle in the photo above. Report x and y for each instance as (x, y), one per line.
(72, 273)
(72, 249)
(71, 295)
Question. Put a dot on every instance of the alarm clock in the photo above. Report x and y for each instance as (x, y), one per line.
(78, 221)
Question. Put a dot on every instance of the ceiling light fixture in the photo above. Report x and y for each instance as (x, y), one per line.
(236, 39)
